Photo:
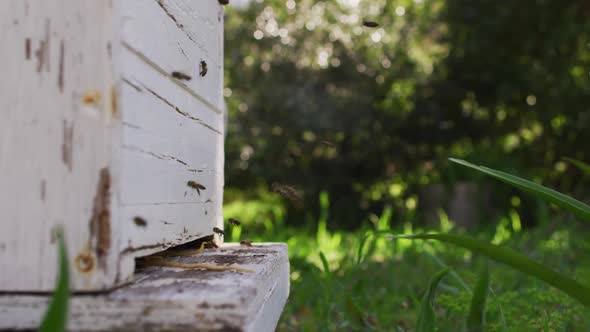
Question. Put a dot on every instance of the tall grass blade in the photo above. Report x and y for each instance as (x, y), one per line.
(325, 264)
(427, 317)
(580, 209)
(452, 273)
(513, 259)
(581, 165)
(57, 314)
(504, 326)
(359, 254)
(477, 310)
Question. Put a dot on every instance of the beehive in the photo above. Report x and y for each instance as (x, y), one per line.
(109, 109)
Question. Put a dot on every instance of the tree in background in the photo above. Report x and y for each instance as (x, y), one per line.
(369, 114)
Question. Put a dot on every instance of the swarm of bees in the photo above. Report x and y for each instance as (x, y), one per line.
(234, 222)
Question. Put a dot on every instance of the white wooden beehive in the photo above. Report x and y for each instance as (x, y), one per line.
(98, 135)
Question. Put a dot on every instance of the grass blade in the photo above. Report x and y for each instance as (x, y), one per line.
(477, 310)
(359, 254)
(325, 264)
(426, 316)
(452, 273)
(57, 314)
(581, 165)
(513, 259)
(580, 209)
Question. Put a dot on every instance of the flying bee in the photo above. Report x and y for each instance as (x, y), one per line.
(328, 143)
(181, 76)
(370, 24)
(139, 221)
(218, 231)
(246, 243)
(203, 70)
(234, 222)
(196, 186)
(288, 192)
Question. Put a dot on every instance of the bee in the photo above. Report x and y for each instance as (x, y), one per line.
(328, 143)
(370, 24)
(234, 222)
(246, 243)
(218, 231)
(196, 186)
(203, 66)
(223, 2)
(288, 192)
(181, 76)
(139, 221)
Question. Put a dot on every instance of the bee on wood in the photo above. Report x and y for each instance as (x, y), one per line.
(196, 186)
(181, 76)
(234, 222)
(288, 192)
(370, 24)
(139, 221)
(218, 231)
(246, 243)
(203, 70)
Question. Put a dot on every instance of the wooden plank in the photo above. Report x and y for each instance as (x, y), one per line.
(163, 299)
(179, 223)
(177, 35)
(171, 136)
(146, 86)
(96, 131)
(57, 134)
(151, 178)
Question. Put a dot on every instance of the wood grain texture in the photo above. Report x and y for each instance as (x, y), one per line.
(173, 129)
(164, 299)
(197, 30)
(57, 136)
(96, 131)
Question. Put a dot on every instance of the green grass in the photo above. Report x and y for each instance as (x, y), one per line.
(365, 282)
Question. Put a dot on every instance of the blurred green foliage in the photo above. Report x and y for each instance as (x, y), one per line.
(362, 120)
(381, 290)
(369, 115)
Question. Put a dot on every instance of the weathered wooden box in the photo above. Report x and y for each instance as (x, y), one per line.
(111, 124)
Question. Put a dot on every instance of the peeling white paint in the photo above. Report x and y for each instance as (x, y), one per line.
(88, 90)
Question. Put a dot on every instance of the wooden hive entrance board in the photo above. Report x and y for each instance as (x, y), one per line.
(173, 299)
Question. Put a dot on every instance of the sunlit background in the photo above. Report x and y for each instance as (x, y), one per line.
(360, 122)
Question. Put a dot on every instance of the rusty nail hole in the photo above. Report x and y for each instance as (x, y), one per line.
(84, 262)
(91, 97)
